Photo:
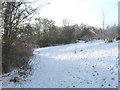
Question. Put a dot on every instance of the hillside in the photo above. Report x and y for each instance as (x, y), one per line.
(79, 65)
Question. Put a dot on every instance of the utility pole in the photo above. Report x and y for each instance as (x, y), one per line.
(103, 15)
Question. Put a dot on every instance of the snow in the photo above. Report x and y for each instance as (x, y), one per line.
(80, 65)
(92, 32)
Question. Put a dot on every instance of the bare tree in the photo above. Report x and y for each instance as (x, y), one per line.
(44, 24)
(111, 33)
(13, 15)
(66, 22)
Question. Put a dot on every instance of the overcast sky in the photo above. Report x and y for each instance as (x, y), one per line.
(81, 11)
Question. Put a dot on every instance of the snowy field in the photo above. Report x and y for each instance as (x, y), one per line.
(81, 65)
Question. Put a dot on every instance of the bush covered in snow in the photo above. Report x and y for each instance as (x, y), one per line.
(111, 33)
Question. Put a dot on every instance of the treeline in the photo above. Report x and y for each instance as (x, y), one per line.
(50, 35)
(54, 35)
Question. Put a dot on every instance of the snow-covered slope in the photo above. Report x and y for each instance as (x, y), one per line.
(80, 65)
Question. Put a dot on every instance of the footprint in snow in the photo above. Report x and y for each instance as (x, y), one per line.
(93, 67)
(105, 82)
(88, 83)
(73, 77)
(81, 50)
(93, 74)
(104, 79)
(109, 84)
(73, 86)
(78, 77)
(97, 73)
(112, 78)
(102, 85)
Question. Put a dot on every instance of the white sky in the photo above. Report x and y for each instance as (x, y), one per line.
(81, 11)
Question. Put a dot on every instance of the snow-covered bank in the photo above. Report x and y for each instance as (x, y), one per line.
(80, 65)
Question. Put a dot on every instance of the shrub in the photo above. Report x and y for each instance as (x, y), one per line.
(56, 36)
(111, 33)
(110, 41)
(86, 35)
(17, 56)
